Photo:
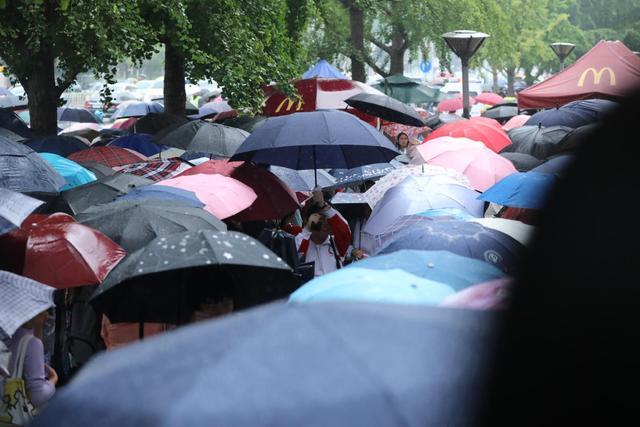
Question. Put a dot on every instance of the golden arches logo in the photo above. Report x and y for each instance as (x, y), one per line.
(597, 75)
(290, 103)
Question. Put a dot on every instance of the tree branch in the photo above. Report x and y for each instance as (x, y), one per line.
(380, 45)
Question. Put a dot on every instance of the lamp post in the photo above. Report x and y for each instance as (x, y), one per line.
(464, 44)
(562, 50)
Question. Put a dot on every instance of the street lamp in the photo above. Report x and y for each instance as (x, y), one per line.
(464, 44)
(562, 50)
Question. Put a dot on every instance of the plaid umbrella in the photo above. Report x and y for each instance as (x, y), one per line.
(415, 133)
(108, 156)
(156, 170)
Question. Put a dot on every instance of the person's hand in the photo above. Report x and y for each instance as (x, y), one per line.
(357, 254)
(51, 374)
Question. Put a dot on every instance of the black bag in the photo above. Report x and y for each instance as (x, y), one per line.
(284, 245)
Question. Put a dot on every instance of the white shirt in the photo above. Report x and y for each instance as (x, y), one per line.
(322, 254)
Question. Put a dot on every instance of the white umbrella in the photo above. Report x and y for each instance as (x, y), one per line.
(14, 208)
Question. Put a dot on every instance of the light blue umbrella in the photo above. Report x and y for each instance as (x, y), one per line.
(322, 69)
(521, 190)
(444, 267)
(74, 174)
(361, 284)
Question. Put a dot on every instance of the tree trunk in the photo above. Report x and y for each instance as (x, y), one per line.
(511, 76)
(175, 97)
(43, 96)
(356, 19)
(396, 55)
(494, 75)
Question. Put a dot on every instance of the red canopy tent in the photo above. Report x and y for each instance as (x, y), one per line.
(609, 70)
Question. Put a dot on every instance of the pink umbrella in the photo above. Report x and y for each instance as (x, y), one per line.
(487, 120)
(487, 295)
(453, 104)
(223, 196)
(516, 122)
(481, 165)
(489, 98)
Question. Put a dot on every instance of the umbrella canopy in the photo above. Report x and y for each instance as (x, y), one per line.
(14, 208)
(156, 170)
(303, 180)
(108, 156)
(211, 109)
(124, 123)
(420, 193)
(521, 161)
(222, 196)
(482, 166)
(21, 299)
(142, 143)
(393, 286)
(540, 142)
(522, 190)
(386, 108)
(494, 138)
(275, 199)
(516, 122)
(393, 178)
(574, 140)
(574, 114)
(136, 109)
(12, 102)
(464, 238)
(104, 190)
(324, 70)
(392, 130)
(204, 137)
(455, 271)
(70, 114)
(246, 123)
(556, 165)
(406, 90)
(249, 263)
(360, 174)
(489, 98)
(489, 295)
(64, 254)
(24, 171)
(153, 123)
(502, 112)
(7, 134)
(12, 122)
(73, 173)
(162, 192)
(98, 169)
(60, 145)
(320, 139)
(453, 104)
(518, 230)
(78, 128)
(134, 223)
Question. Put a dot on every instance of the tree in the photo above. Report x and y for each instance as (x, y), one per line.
(46, 43)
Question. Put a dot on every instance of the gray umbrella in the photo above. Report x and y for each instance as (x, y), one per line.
(199, 136)
(24, 171)
(134, 223)
(522, 161)
(303, 180)
(540, 142)
(501, 112)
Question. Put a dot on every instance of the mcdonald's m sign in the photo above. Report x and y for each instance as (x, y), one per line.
(597, 75)
(289, 104)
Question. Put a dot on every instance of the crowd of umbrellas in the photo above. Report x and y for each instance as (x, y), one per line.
(144, 210)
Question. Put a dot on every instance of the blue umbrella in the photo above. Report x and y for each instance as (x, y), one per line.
(136, 109)
(521, 190)
(291, 365)
(441, 266)
(70, 114)
(393, 286)
(58, 144)
(318, 139)
(142, 143)
(361, 173)
(556, 165)
(573, 114)
(303, 180)
(24, 171)
(322, 69)
(72, 172)
(464, 238)
(163, 192)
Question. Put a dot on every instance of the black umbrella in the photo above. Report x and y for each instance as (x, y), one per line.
(386, 108)
(332, 364)
(156, 122)
(103, 190)
(537, 141)
(134, 223)
(522, 161)
(10, 120)
(22, 170)
(200, 136)
(98, 169)
(166, 280)
(247, 123)
(80, 115)
(501, 112)
(61, 145)
(577, 137)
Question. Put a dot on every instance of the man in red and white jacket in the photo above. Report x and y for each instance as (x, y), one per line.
(326, 239)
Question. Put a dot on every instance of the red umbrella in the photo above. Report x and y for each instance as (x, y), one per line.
(108, 156)
(477, 130)
(62, 253)
(488, 121)
(275, 199)
(453, 104)
(489, 98)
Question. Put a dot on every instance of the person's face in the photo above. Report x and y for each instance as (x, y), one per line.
(403, 141)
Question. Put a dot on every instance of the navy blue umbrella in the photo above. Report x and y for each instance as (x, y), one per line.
(59, 144)
(71, 114)
(573, 114)
(316, 140)
(555, 166)
(361, 173)
(325, 364)
(464, 238)
(136, 109)
(142, 143)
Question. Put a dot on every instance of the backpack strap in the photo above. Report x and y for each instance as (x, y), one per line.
(335, 253)
(21, 354)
